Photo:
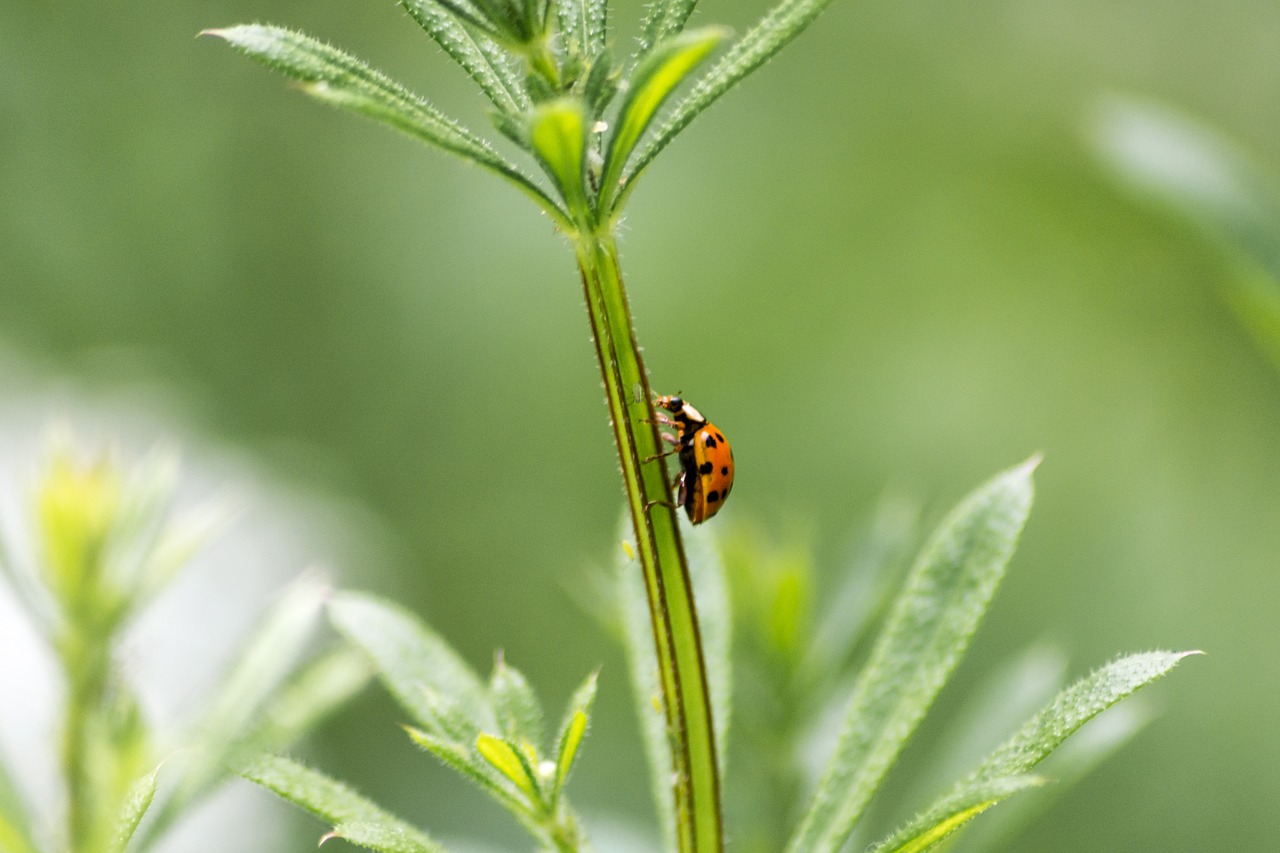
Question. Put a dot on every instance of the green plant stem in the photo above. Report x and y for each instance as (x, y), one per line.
(84, 666)
(687, 701)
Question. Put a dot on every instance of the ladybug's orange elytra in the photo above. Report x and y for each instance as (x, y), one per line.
(706, 460)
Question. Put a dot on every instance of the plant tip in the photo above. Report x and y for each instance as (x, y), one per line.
(327, 836)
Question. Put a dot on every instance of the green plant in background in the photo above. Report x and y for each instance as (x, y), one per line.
(1204, 179)
(589, 123)
(105, 545)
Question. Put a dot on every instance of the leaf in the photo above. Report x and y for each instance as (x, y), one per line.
(710, 591)
(265, 661)
(420, 670)
(1096, 741)
(337, 78)
(583, 23)
(1013, 691)
(664, 19)
(311, 696)
(864, 592)
(353, 817)
(778, 27)
(136, 802)
(15, 831)
(514, 703)
(508, 761)
(1206, 180)
(572, 731)
(466, 761)
(651, 84)
(1043, 733)
(952, 813)
(483, 60)
(558, 134)
(933, 619)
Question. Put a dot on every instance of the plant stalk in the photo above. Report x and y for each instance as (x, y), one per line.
(686, 698)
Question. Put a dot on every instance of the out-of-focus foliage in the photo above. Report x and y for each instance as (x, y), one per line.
(892, 259)
(107, 542)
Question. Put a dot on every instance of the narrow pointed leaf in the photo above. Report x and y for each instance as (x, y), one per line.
(310, 697)
(353, 817)
(266, 660)
(15, 831)
(572, 731)
(651, 84)
(412, 661)
(664, 19)
(340, 79)
(136, 802)
(778, 27)
(926, 832)
(519, 714)
(1097, 741)
(583, 23)
(483, 60)
(1074, 707)
(928, 630)
(558, 134)
(1208, 181)
(506, 759)
(1031, 744)
(469, 763)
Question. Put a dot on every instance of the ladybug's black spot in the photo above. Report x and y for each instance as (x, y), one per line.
(710, 442)
(712, 497)
(705, 468)
(719, 437)
(725, 471)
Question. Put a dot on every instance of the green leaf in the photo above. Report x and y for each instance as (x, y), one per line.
(710, 590)
(558, 133)
(778, 27)
(508, 761)
(352, 816)
(514, 703)
(583, 23)
(15, 832)
(1074, 707)
(136, 803)
(483, 60)
(417, 667)
(953, 812)
(1041, 735)
(651, 84)
(1209, 182)
(664, 19)
(933, 619)
(864, 592)
(1013, 691)
(572, 731)
(340, 79)
(464, 759)
(1096, 741)
(311, 696)
(268, 657)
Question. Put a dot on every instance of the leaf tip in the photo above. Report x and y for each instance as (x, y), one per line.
(216, 32)
(328, 836)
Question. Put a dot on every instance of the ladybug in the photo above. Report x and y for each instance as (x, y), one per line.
(706, 460)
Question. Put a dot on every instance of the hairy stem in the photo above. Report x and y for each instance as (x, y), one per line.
(687, 702)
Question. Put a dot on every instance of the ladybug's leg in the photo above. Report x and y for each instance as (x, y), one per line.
(679, 486)
(669, 439)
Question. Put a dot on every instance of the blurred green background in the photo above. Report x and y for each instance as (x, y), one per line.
(889, 258)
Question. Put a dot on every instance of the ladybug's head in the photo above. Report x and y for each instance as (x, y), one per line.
(673, 404)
